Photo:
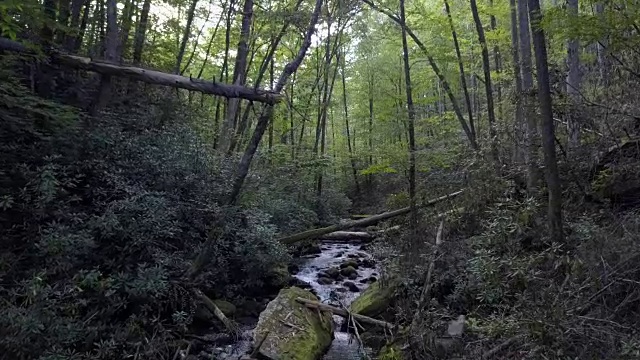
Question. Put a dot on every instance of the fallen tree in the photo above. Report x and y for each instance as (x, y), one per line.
(151, 76)
(348, 235)
(316, 233)
(344, 313)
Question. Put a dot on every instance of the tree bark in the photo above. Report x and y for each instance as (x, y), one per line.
(185, 36)
(436, 70)
(141, 31)
(411, 116)
(486, 67)
(316, 233)
(127, 21)
(70, 39)
(463, 77)
(528, 98)
(574, 77)
(267, 114)
(239, 73)
(346, 122)
(110, 55)
(515, 52)
(548, 136)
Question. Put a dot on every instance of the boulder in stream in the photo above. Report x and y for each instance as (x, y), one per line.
(348, 271)
(351, 262)
(374, 300)
(323, 280)
(332, 272)
(351, 286)
(293, 331)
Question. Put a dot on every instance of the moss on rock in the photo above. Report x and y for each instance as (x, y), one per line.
(374, 300)
(293, 331)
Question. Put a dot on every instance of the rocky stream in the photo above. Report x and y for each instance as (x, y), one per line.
(337, 273)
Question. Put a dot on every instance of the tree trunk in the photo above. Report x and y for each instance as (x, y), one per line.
(127, 21)
(210, 44)
(267, 114)
(197, 41)
(110, 55)
(141, 31)
(344, 313)
(528, 98)
(411, 110)
(64, 12)
(370, 93)
(70, 39)
(436, 70)
(77, 44)
(346, 122)
(515, 52)
(486, 67)
(497, 59)
(574, 78)
(239, 73)
(185, 36)
(463, 77)
(548, 136)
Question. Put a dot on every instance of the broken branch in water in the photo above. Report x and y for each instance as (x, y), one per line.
(344, 313)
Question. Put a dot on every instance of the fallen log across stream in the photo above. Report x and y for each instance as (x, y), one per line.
(316, 233)
(344, 313)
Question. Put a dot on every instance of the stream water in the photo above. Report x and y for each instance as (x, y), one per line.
(338, 291)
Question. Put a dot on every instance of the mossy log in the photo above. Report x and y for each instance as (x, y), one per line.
(316, 233)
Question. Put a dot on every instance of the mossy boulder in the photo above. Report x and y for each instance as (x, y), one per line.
(293, 331)
(374, 300)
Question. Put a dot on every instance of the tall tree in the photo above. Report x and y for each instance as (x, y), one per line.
(110, 55)
(411, 116)
(239, 73)
(548, 137)
(517, 77)
(528, 97)
(352, 159)
(574, 76)
(141, 32)
(486, 67)
(463, 76)
(185, 36)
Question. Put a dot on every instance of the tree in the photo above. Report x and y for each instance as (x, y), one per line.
(110, 55)
(548, 136)
(411, 115)
(574, 76)
(486, 67)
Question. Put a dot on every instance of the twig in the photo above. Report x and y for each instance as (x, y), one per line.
(503, 345)
(291, 325)
(255, 351)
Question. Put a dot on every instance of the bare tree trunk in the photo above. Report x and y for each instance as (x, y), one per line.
(370, 93)
(64, 12)
(574, 78)
(127, 21)
(497, 59)
(528, 98)
(185, 36)
(515, 52)
(210, 44)
(411, 110)
(603, 61)
(197, 41)
(346, 122)
(486, 66)
(548, 136)
(141, 32)
(77, 44)
(267, 114)
(239, 73)
(463, 77)
(70, 39)
(110, 55)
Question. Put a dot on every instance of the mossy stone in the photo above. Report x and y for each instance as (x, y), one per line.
(374, 300)
(293, 331)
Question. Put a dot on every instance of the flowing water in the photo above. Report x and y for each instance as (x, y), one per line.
(332, 255)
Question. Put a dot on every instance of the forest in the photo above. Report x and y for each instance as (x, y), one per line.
(319, 179)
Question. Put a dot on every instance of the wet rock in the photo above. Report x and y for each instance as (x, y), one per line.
(293, 268)
(362, 255)
(368, 263)
(342, 290)
(300, 283)
(352, 256)
(352, 263)
(363, 247)
(372, 279)
(325, 281)
(291, 330)
(374, 300)
(332, 272)
(310, 256)
(348, 271)
(340, 254)
(351, 286)
(353, 276)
